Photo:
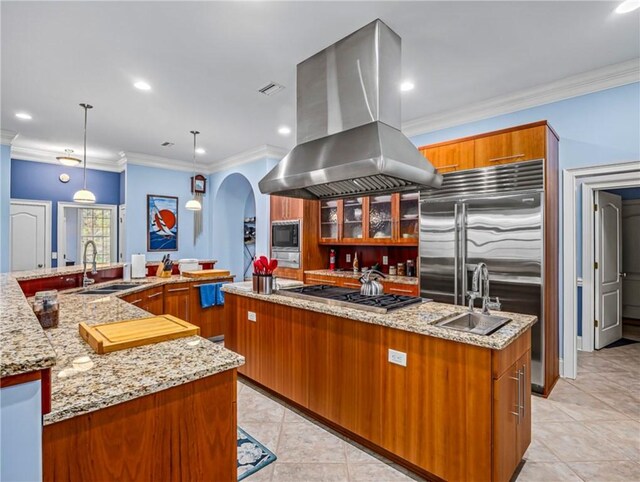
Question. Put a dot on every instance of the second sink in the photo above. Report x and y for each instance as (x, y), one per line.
(476, 323)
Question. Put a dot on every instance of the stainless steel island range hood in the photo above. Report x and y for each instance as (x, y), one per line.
(348, 124)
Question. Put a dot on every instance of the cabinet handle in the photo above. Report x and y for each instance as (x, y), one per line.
(354, 285)
(515, 156)
(135, 302)
(523, 380)
(154, 295)
(399, 290)
(171, 290)
(450, 166)
(330, 282)
(518, 403)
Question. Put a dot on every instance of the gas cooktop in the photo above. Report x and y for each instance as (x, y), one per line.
(333, 295)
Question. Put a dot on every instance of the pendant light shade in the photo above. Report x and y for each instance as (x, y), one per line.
(194, 204)
(84, 195)
(68, 159)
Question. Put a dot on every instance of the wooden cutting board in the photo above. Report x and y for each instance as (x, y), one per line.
(207, 273)
(108, 337)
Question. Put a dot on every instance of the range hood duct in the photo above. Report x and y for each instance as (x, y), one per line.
(348, 124)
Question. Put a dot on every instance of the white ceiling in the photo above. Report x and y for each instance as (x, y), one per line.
(206, 61)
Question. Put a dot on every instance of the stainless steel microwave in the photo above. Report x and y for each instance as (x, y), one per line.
(285, 235)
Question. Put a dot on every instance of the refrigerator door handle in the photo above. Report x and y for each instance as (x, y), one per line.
(456, 244)
(463, 252)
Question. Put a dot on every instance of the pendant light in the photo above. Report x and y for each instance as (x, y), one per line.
(194, 204)
(84, 195)
(68, 159)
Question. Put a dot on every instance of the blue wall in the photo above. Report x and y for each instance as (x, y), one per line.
(224, 244)
(5, 205)
(594, 129)
(39, 181)
(142, 180)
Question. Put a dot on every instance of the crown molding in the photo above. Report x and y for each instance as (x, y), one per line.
(604, 78)
(7, 137)
(49, 157)
(158, 162)
(250, 155)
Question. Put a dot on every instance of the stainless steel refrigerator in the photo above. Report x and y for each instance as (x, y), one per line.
(492, 215)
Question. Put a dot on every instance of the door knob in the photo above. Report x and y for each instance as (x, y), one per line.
(623, 275)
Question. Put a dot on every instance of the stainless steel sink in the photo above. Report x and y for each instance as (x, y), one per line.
(105, 290)
(476, 323)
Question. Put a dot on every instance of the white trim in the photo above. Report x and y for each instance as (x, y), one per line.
(62, 232)
(596, 80)
(561, 365)
(579, 343)
(630, 202)
(579, 282)
(260, 152)
(147, 160)
(571, 179)
(7, 137)
(49, 157)
(47, 227)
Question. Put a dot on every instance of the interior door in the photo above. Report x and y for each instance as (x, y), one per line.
(28, 227)
(608, 279)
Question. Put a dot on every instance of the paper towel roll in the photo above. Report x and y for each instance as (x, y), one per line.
(138, 266)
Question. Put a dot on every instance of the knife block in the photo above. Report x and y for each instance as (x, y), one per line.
(161, 273)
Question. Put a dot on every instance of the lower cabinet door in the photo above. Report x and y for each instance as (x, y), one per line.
(506, 421)
(176, 300)
(524, 428)
(154, 301)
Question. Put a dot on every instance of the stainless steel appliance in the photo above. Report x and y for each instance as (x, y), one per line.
(286, 243)
(348, 124)
(492, 215)
(333, 295)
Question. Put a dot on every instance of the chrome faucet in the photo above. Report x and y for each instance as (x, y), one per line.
(481, 275)
(86, 281)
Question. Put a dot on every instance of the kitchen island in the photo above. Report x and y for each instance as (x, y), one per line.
(447, 404)
(165, 411)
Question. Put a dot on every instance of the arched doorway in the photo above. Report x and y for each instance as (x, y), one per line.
(234, 202)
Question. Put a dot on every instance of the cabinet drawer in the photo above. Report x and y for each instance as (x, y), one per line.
(451, 157)
(321, 280)
(514, 146)
(401, 289)
(350, 283)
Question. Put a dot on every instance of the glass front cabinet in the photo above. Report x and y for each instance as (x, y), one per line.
(386, 219)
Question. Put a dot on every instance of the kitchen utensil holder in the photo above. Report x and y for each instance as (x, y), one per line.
(263, 284)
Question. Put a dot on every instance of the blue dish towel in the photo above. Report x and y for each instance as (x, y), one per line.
(211, 295)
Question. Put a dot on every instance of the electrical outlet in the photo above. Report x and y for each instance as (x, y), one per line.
(385, 260)
(348, 258)
(397, 357)
(251, 316)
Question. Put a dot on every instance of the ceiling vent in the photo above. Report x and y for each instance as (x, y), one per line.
(167, 144)
(271, 88)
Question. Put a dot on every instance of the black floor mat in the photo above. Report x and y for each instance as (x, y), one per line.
(621, 342)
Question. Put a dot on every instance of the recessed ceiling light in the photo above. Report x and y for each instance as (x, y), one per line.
(284, 130)
(406, 86)
(142, 85)
(200, 150)
(628, 6)
(23, 116)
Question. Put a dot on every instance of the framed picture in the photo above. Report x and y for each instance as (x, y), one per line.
(199, 184)
(162, 223)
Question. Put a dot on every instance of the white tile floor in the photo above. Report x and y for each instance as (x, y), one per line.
(588, 429)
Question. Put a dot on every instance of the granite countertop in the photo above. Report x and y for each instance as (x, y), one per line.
(114, 377)
(60, 271)
(420, 318)
(125, 374)
(407, 280)
(23, 344)
(154, 262)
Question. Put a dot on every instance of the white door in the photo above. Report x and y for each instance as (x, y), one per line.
(608, 280)
(122, 213)
(29, 228)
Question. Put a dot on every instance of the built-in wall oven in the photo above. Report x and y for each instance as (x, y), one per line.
(286, 242)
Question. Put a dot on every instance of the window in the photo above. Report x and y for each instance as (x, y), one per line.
(95, 224)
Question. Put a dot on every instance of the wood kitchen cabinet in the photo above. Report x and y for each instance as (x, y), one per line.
(285, 208)
(512, 146)
(210, 320)
(151, 300)
(354, 283)
(177, 300)
(331, 215)
(457, 156)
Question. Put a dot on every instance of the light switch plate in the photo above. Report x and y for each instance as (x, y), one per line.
(385, 260)
(54, 255)
(398, 357)
(348, 258)
(251, 316)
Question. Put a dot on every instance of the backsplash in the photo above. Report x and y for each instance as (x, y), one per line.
(369, 255)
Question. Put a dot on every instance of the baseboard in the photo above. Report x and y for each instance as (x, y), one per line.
(561, 367)
(579, 343)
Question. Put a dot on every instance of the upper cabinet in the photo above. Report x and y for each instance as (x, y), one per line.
(522, 143)
(285, 208)
(451, 157)
(513, 146)
(386, 219)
